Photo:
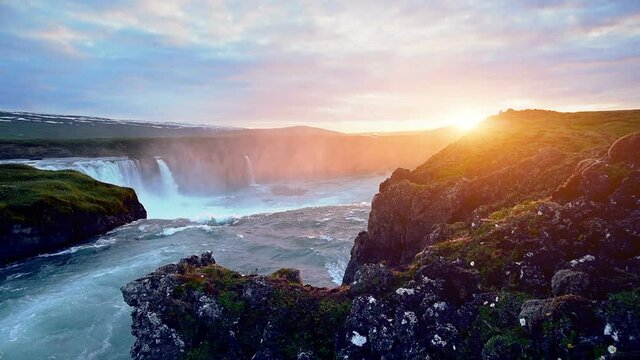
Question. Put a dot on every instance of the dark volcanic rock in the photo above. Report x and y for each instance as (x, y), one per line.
(372, 278)
(566, 282)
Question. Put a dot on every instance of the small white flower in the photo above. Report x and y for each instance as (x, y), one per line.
(497, 299)
(492, 305)
(612, 349)
(608, 329)
(472, 263)
(523, 322)
(404, 291)
(357, 339)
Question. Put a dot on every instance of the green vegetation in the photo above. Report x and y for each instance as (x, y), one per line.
(307, 318)
(488, 246)
(507, 138)
(625, 304)
(31, 196)
(498, 327)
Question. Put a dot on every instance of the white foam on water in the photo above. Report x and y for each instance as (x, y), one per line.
(173, 230)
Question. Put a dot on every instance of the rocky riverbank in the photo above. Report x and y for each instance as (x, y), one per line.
(521, 240)
(43, 211)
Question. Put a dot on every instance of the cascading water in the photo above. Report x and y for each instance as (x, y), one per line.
(169, 185)
(250, 174)
(154, 194)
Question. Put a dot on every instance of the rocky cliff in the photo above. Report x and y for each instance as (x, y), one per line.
(42, 211)
(521, 240)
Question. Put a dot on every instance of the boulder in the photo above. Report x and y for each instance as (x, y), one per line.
(627, 148)
(595, 183)
(566, 282)
(535, 312)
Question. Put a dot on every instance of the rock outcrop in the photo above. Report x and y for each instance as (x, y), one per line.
(198, 310)
(42, 211)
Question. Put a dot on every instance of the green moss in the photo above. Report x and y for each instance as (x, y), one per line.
(623, 303)
(200, 352)
(221, 278)
(290, 275)
(511, 344)
(526, 206)
(231, 301)
(497, 327)
(308, 319)
(32, 196)
(333, 311)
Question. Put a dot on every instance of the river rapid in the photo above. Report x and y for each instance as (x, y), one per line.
(68, 305)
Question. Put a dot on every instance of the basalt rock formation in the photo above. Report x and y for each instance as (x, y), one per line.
(488, 250)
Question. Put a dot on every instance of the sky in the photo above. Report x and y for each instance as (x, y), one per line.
(345, 65)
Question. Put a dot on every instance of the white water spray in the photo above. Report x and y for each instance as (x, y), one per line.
(249, 166)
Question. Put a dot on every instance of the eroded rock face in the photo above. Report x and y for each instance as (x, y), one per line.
(400, 218)
(403, 214)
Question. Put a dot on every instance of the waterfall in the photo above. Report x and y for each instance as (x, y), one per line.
(249, 166)
(169, 186)
(119, 171)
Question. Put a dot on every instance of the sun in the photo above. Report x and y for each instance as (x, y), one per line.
(465, 120)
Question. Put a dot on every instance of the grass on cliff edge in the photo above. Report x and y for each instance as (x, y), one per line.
(511, 136)
(32, 196)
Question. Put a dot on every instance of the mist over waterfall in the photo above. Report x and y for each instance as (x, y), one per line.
(250, 174)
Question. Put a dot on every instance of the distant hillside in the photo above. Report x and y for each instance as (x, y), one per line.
(23, 125)
(217, 159)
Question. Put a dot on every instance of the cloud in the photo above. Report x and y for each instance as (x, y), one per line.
(335, 63)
